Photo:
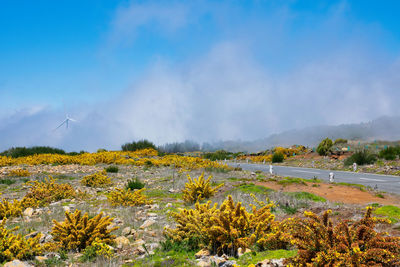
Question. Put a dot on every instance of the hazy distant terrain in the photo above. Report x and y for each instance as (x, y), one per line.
(383, 128)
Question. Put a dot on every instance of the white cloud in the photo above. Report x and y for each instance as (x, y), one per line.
(164, 17)
(235, 90)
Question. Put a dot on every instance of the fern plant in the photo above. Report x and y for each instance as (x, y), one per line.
(198, 189)
(77, 232)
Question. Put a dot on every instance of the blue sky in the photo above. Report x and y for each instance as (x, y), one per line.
(175, 70)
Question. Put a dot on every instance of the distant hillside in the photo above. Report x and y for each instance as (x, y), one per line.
(383, 128)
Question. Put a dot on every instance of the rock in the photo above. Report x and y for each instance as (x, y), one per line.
(153, 246)
(203, 263)
(17, 263)
(271, 263)
(138, 243)
(152, 214)
(28, 212)
(203, 252)
(228, 264)
(126, 231)
(139, 251)
(218, 261)
(46, 238)
(154, 206)
(122, 242)
(67, 209)
(241, 252)
(40, 258)
(147, 223)
(38, 211)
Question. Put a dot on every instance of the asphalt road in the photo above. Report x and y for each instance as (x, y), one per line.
(386, 183)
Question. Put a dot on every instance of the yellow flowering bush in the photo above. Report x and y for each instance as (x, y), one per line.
(77, 232)
(126, 197)
(10, 209)
(227, 228)
(16, 246)
(198, 189)
(97, 248)
(346, 244)
(138, 158)
(19, 173)
(42, 193)
(98, 179)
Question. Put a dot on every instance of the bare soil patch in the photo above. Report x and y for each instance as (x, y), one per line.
(336, 193)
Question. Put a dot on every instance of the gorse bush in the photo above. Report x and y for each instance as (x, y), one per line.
(126, 197)
(198, 189)
(141, 144)
(135, 158)
(134, 184)
(227, 228)
(77, 232)
(98, 179)
(16, 152)
(277, 157)
(10, 209)
(48, 191)
(19, 173)
(361, 158)
(349, 243)
(16, 246)
(113, 169)
(96, 249)
(324, 147)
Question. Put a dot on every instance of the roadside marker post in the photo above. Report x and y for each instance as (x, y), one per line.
(331, 177)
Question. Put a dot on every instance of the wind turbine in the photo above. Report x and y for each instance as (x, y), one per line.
(66, 122)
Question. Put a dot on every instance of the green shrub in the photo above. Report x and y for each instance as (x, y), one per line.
(112, 169)
(292, 180)
(134, 184)
(141, 144)
(389, 153)
(7, 181)
(361, 158)
(324, 147)
(277, 157)
(148, 163)
(17, 152)
(218, 155)
(340, 141)
(389, 211)
(307, 196)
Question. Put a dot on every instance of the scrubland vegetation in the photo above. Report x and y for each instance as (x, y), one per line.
(142, 208)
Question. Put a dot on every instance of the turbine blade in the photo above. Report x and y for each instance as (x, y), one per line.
(72, 119)
(60, 125)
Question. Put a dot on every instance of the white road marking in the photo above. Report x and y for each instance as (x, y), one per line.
(369, 179)
(305, 171)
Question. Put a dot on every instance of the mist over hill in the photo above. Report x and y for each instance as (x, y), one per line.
(382, 128)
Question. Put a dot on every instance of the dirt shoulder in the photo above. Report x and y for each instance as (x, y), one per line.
(336, 193)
